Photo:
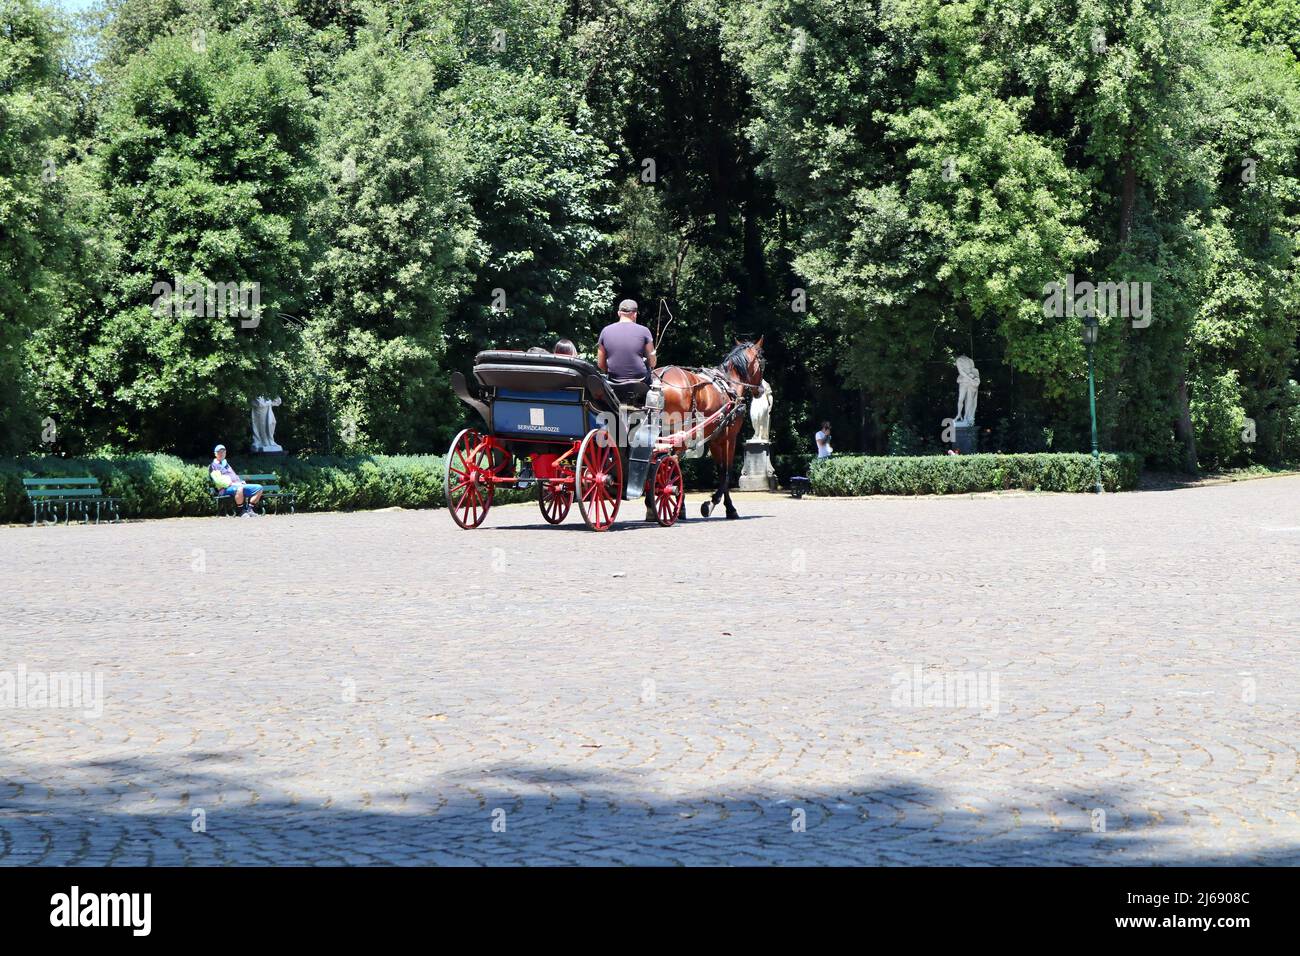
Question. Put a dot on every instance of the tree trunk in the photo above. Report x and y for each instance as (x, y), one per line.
(879, 422)
(1110, 395)
(1184, 427)
(862, 418)
(1128, 199)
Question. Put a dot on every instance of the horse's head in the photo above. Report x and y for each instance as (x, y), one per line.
(746, 363)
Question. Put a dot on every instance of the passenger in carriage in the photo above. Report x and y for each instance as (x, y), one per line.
(625, 352)
(565, 347)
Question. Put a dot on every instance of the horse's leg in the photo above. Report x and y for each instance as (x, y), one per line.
(715, 451)
(730, 456)
(718, 450)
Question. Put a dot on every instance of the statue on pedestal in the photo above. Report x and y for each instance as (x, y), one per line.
(264, 425)
(968, 394)
(968, 390)
(758, 473)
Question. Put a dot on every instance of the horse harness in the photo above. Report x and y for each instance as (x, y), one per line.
(719, 379)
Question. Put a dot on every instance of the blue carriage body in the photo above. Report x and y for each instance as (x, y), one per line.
(553, 414)
(537, 396)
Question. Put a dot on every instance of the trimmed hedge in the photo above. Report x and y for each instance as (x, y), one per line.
(161, 486)
(851, 475)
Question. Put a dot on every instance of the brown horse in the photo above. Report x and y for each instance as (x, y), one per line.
(691, 395)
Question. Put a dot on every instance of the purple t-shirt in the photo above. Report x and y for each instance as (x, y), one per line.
(227, 473)
(625, 347)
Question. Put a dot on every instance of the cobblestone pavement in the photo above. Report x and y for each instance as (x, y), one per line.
(1040, 679)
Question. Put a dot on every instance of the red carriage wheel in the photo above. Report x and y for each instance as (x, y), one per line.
(555, 500)
(600, 480)
(669, 492)
(466, 483)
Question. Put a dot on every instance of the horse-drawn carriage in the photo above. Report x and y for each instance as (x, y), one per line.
(555, 422)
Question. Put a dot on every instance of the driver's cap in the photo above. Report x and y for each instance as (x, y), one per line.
(627, 305)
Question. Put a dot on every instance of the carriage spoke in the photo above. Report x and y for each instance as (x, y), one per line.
(467, 490)
(668, 491)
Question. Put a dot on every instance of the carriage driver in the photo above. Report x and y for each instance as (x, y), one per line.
(625, 352)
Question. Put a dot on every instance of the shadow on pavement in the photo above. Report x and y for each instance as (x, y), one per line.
(135, 811)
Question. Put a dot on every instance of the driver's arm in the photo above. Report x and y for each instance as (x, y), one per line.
(600, 358)
(650, 358)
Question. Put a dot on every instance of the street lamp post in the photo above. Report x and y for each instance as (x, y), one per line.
(1090, 329)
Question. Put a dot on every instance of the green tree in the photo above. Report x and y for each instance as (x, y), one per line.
(394, 237)
(1243, 339)
(204, 162)
(34, 116)
(925, 206)
(536, 181)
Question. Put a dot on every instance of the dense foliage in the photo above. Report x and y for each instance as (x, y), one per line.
(876, 186)
(851, 475)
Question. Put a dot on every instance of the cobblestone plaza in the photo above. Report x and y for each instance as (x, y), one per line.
(1015, 678)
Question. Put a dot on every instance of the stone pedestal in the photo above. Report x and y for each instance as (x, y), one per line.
(757, 473)
(966, 438)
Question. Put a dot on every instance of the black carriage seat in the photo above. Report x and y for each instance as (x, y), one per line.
(542, 371)
(631, 391)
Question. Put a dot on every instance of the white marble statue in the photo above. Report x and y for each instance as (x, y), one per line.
(757, 474)
(968, 390)
(264, 424)
(760, 414)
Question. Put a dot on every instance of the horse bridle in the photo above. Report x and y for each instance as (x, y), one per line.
(762, 371)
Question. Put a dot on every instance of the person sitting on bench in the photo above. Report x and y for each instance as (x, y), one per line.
(625, 352)
(231, 485)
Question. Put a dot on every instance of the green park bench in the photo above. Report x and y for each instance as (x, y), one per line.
(272, 491)
(76, 495)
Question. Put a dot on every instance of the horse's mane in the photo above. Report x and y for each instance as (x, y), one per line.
(737, 361)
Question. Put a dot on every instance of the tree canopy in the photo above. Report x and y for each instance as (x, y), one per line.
(875, 186)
